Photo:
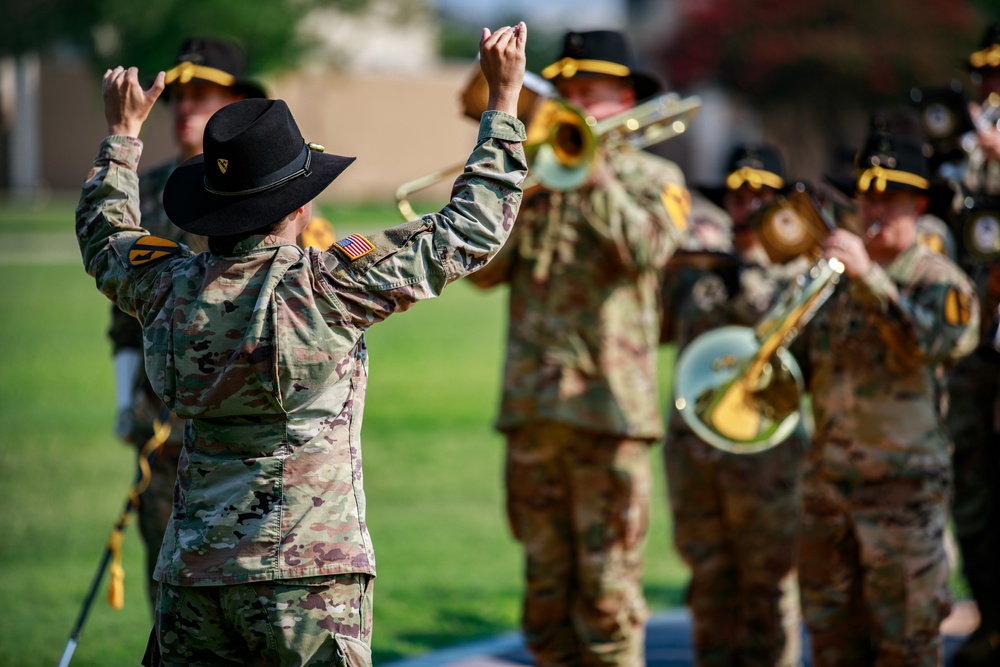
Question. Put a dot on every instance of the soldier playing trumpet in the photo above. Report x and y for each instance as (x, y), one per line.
(873, 569)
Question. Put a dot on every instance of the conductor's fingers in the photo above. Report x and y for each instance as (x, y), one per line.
(495, 37)
(522, 35)
(505, 40)
(112, 78)
(157, 87)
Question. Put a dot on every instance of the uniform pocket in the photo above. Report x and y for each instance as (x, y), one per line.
(353, 652)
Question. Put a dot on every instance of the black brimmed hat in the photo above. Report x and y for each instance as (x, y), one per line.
(988, 54)
(891, 162)
(601, 53)
(213, 61)
(255, 170)
(755, 165)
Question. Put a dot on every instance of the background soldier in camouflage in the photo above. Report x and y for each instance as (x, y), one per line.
(580, 386)
(207, 75)
(735, 517)
(873, 569)
(260, 345)
(974, 389)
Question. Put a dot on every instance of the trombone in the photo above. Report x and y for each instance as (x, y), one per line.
(562, 140)
(739, 388)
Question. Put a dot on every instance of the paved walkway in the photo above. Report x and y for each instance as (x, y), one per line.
(667, 644)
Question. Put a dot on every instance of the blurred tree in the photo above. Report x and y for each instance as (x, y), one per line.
(460, 41)
(147, 33)
(778, 50)
(815, 68)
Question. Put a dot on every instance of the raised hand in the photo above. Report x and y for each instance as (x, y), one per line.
(126, 104)
(501, 57)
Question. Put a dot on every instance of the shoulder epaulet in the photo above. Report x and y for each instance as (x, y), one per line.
(151, 249)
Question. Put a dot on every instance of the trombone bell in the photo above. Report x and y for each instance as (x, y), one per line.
(560, 145)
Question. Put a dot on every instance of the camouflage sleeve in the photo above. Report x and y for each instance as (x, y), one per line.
(640, 215)
(498, 270)
(937, 322)
(108, 220)
(416, 260)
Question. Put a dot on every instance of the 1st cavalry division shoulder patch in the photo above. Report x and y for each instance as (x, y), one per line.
(354, 246)
(677, 201)
(957, 311)
(150, 249)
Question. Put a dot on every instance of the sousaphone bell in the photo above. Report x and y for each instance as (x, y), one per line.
(739, 388)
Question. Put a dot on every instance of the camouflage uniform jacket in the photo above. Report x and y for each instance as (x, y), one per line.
(264, 352)
(874, 349)
(584, 268)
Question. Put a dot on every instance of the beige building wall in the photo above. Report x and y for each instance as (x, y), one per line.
(399, 127)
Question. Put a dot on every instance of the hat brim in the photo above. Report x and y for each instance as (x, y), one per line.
(645, 85)
(713, 193)
(246, 88)
(717, 193)
(849, 186)
(194, 209)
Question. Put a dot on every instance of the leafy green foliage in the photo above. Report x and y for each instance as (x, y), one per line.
(147, 34)
(837, 51)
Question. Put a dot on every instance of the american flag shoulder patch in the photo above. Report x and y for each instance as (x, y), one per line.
(354, 246)
(150, 249)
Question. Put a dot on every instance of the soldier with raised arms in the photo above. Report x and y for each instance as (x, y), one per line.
(260, 344)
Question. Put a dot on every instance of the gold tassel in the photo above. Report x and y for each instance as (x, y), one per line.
(116, 583)
(116, 571)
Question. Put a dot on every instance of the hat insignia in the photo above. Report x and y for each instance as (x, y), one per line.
(185, 72)
(223, 164)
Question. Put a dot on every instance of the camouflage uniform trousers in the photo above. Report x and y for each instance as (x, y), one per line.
(736, 525)
(578, 501)
(973, 413)
(873, 571)
(319, 621)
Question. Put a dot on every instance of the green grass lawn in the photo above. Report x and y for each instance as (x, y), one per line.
(449, 571)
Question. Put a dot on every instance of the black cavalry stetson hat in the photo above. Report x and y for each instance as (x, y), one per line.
(755, 165)
(255, 170)
(895, 155)
(891, 162)
(601, 52)
(215, 61)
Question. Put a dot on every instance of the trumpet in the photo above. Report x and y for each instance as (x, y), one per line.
(739, 388)
(563, 141)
